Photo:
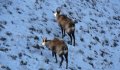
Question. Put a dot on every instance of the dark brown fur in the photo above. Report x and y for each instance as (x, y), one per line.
(57, 47)
(66, 25)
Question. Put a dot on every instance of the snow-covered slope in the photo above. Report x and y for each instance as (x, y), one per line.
(97, 34)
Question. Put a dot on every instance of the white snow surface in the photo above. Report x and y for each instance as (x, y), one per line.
(97, 33)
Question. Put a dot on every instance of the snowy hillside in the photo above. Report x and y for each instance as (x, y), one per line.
(97, 34)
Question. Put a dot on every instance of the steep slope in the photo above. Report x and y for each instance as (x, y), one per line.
(97, 34)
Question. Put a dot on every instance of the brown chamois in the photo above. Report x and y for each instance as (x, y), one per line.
(66, 24)
(59, 47)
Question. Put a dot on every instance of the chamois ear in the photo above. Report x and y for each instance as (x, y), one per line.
(45, 38)
(58, 11)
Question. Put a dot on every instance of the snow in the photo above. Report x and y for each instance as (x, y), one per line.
(97, 34)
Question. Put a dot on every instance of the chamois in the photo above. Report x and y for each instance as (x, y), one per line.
(66, 24)
(59, 47)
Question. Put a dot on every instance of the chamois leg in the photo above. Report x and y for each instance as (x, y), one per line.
(73, 35)
(56, 58)
(61, 56)
(53, 54)
(62, 31)
(66, 58)
(70, 38)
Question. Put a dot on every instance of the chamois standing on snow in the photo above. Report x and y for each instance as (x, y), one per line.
(66, 24)
(59, 47)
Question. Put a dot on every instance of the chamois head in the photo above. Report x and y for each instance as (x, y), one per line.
(57, 12)
(44, 41)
